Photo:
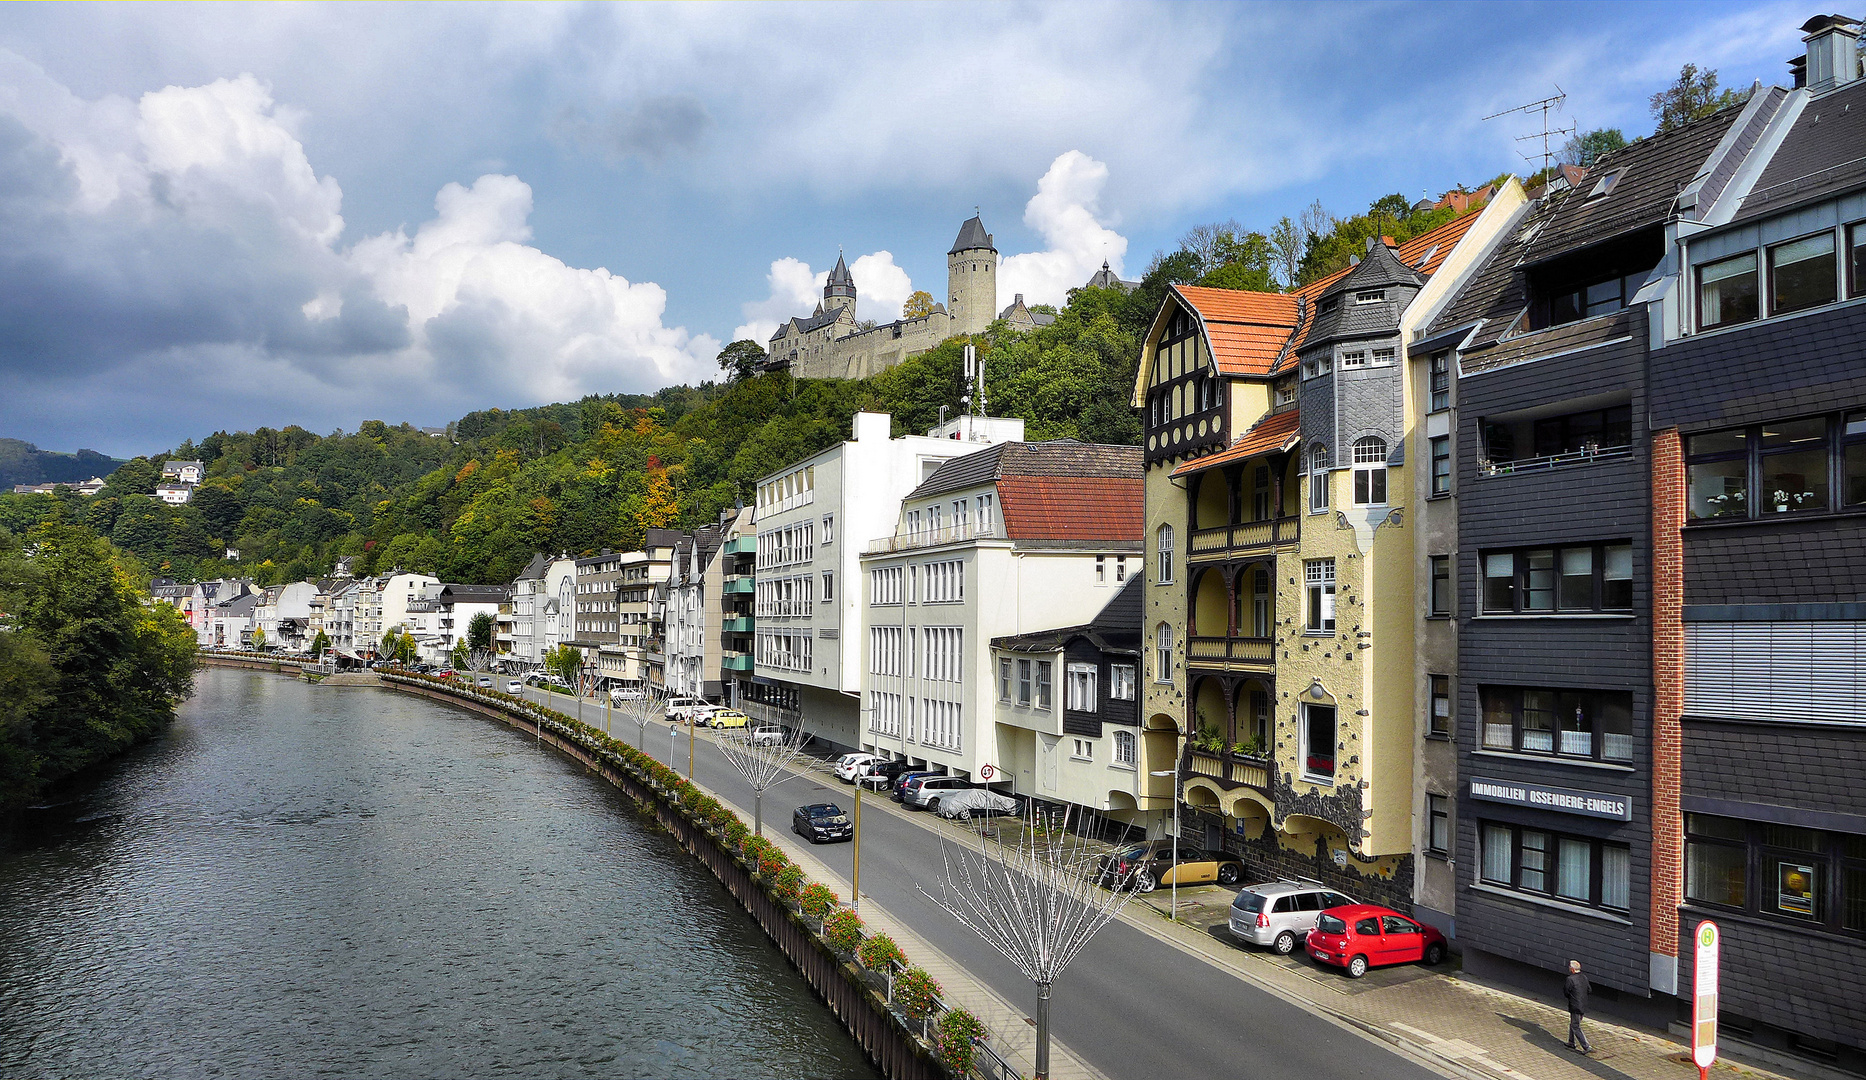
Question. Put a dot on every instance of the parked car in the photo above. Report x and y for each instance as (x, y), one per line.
(766, 736)
(726, 718)
(1360, 936)
(926, 792)
(484, 682)
(1281, 913)
(446, 673)
(514, 686)
(901, 781)
(625, 693)
(1153, 863)
(849, 766)
(689, 710)
(977, 802)
(819, 822)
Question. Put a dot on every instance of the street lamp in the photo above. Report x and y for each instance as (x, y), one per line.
(1174, 773)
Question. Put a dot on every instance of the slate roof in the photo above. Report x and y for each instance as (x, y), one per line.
(1247, 330)
(472, 594)
(1277, 431)
(1106, 279)
(1653, 171)
(1114, 629)
(1819, 156)
(534, 569)
(971, 235)
(1057, 457)
(1497, 294)
(839, 274)
(804, 326)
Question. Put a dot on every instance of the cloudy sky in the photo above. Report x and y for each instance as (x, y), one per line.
(226, 216)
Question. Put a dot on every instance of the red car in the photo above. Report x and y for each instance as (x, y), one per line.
(1361, 936)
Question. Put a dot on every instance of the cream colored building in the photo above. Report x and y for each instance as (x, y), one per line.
(1281, 591)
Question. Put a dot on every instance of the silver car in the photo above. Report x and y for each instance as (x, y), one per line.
(1281, 913)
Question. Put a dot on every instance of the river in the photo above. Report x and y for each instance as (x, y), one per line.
(306, 880)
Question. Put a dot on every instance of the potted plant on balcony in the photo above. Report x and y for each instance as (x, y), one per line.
(1250, 748)
(1208, 740)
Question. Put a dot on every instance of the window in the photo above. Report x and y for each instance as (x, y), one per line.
(1575, 579)
(1261, 508)
(1163, 654)
(1120, 568)
(1043, 685)
(1438, 824)
(1802, 274)
(829, 528)
(1806, 876)
(1354, 359)
(1806, 465)
(1101, 569)
(1318, 577)
(1438, 714)
(1370, 471)
(1286, 391)
(1441, 464)
(1441, 585)
(1727, 292)
(1383, 356)
(1262, 608)
(1124, 750)
(1004, 679)
(1856, 260)
(1574, 869)
(1164, 547)
(1592, 725)
(1440, 376)
(1318, 478)
(1023, 682)
(1318, 742)
(829, 585)
(1120, 682)
(1084, 750)
(984, 514)
(1081, 687)
(1370, 296)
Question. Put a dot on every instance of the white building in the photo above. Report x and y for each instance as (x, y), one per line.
(814, 519)
(394, 595)
(1010, 540)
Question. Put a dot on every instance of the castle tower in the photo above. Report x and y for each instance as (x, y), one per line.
(839, 291)
(972, 279)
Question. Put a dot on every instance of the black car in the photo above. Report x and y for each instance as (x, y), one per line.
(881, 775)
(820, 822)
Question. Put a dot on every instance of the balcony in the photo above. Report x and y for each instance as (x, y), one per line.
(925, 538)
(741, 545)
(1228, 768)
(1231, 653)
(736, 661)
(1249, 539)
(1585, 456)
(743, 585)
(741, 624)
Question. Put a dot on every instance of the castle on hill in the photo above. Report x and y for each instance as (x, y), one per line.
(832, 344)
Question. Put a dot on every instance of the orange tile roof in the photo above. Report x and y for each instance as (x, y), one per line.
(1247, 330)
(1073, 507)
(1278, 431)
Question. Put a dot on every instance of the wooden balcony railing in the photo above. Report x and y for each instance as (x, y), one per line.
(1247, 538)
(1225, 651)
(1232, 769)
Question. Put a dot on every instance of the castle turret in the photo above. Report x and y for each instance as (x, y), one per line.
(839, 291)
(972, 279)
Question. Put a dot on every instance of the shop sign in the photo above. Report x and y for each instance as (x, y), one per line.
(1565, 800)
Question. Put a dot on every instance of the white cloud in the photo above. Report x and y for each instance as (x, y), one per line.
(1066, 212)
(880, 286)
(189, 230)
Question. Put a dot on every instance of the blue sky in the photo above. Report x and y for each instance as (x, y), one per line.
(225, 216)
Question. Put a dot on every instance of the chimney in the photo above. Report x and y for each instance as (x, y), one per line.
(1832, 58)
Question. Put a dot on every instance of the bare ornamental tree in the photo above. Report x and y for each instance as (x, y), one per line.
(1037, 899)
(650, 705)
(762, 755)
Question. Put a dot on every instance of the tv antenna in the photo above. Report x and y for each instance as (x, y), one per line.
(1546, 106)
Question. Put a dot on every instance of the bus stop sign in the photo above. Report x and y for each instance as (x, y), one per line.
(1704, 999)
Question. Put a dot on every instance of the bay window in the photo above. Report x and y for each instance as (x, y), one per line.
(1591, 725)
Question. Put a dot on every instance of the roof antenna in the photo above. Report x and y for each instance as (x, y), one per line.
(1545, 106)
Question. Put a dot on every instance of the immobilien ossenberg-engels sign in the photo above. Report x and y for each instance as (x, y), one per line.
(1565, 800)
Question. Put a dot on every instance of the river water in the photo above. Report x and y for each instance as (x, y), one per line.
(310, 880)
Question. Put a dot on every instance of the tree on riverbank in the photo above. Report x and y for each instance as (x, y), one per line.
(87, 669)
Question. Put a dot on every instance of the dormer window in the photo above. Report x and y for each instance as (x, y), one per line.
(1330, 303)
(1605, 185)
(1285, 391)
(1370, 296)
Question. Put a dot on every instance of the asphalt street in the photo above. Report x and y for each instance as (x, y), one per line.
(1131, 1005)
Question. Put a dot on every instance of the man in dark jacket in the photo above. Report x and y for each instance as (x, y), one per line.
(1576, 991)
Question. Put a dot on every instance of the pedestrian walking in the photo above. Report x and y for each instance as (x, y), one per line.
(1576, 990)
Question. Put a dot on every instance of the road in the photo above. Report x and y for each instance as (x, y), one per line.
(1131, 1005)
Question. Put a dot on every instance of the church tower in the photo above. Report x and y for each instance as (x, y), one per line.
(972, 279)
(839, 290)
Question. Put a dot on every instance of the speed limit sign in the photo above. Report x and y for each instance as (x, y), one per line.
(986, 772)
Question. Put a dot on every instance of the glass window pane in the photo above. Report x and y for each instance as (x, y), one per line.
(1616, 426)
(1794, 435)
(1719, 442)
(1539, 591)
(1615, 876)
(1719, 489)
(1564, 308)
(1789, 836)
(1803, 273)
(1853, 898)
(1616, 577)
(1716, 873)
(1795, 481)
(1603, 297)
(1796, 886)
(1723, 828)
(1499, 719)
(1532, 857)
(1853, 475)
(1575, 717)
(1577, 579)
(1500, 582)
(1613, 722)
(1727, 292)
(1496, 854)
(1539, 720)
(1574, 870)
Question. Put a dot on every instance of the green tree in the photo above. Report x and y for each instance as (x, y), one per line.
(459, 656)
(259, 638)
(565, 662)
(740, 360)
(320, 643)
(137, 476)
(1692, 97)
(919, 305)
(479, 631)
(1589, 146)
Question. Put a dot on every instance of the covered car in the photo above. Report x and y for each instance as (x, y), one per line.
(977, 802)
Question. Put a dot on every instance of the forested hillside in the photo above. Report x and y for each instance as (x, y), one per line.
(24, 463)
(475, 506)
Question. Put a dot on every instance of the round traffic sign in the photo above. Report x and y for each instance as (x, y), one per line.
(986, 772)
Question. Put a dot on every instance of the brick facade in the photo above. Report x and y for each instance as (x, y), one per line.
(1668, 691)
